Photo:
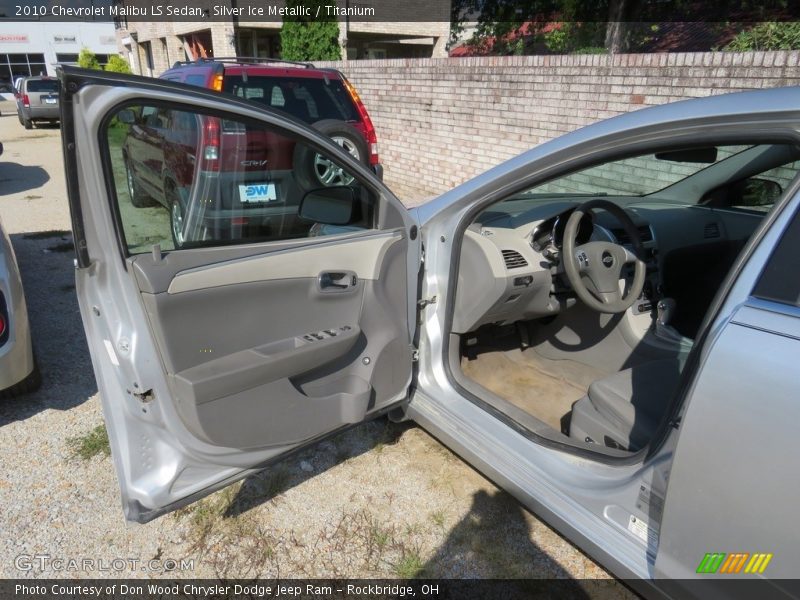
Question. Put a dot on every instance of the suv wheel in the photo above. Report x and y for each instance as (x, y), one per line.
(138, 198)
(176, 220)
(27, 123)
(314, 170)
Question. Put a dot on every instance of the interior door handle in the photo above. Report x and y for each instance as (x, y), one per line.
(337, 281)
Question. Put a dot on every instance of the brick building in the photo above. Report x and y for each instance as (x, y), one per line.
(152, 47)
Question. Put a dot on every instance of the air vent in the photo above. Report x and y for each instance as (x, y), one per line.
(514, 260)
(711, 230)
(645, 234)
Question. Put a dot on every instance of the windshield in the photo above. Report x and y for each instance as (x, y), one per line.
(637, 176)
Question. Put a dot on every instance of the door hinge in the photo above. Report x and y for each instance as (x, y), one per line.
(675, 423)
(425, 302)
(414, 354)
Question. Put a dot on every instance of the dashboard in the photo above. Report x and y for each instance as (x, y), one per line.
(510, 268)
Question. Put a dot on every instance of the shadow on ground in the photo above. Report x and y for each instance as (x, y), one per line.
(494, 532)
(16, 178)
(45, 261)
(280, 476)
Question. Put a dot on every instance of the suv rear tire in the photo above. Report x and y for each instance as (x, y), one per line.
(139, 199)
(176, 214)
(312, 170)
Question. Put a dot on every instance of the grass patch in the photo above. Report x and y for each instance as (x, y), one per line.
(410, 565)
(32, 197)
(90, 445)
(379, 536)
(43, 235)
(438, 518)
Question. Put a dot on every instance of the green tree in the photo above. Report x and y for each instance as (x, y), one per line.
(117, 64)
(309, 38)
(88, 60)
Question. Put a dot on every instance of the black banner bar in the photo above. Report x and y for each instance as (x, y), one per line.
(387, 11)
(735, 587)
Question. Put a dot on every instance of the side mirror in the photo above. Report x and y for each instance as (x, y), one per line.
(757, 192)
(329, 206)
(126, 116)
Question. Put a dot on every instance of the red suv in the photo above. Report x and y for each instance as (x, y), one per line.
(164, 149)
(320, 97)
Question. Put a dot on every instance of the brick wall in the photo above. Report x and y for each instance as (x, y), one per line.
(442, 121)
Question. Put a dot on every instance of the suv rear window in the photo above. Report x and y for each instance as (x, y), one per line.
(307, 99)
(42, 85)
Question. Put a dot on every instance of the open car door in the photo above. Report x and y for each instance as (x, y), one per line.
(239, 302)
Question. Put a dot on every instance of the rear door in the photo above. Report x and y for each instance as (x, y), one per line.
(261, 333)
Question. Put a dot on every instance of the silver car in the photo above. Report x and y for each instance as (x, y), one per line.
(37, 101)
(607, 325)
(19, 373)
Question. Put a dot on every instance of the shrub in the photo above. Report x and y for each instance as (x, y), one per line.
(88, 60)
(767, 36)
(117, 64)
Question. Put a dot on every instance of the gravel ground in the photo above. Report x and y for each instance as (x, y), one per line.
(378, 500)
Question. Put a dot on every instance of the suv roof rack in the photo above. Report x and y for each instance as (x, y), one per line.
(252, 60)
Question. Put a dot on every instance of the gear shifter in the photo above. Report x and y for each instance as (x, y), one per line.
(665, 310)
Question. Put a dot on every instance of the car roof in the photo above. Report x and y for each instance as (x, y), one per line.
(256, 66)
(312, 73)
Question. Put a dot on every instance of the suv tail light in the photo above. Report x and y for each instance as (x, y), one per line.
(211, 142)
(26, 102)
(372, 136)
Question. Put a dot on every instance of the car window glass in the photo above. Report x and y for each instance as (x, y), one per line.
(42, 86)
(307, 98)
(647, 175)
(637, 176)
(756, 193)
(206, 181)
(779, 281)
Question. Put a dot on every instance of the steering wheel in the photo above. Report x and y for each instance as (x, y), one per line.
(594, 269)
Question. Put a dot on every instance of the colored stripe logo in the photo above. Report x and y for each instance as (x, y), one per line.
(734, 563)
